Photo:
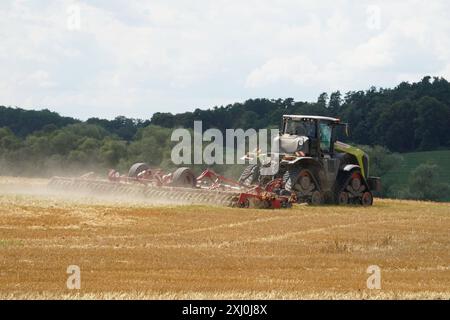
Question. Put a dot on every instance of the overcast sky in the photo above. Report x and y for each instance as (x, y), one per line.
(106, 58)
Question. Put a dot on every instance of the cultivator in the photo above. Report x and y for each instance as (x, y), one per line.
(181, 186)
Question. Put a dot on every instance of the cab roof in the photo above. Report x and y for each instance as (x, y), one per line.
(300, 117)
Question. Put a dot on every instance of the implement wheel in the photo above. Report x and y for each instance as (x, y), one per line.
(137, 168)
(184, 177)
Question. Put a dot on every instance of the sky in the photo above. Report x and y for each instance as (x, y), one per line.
(104, 58)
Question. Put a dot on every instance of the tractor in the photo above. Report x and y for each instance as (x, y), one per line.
(313, 165)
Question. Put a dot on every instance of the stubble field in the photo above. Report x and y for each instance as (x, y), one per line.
(139, 250)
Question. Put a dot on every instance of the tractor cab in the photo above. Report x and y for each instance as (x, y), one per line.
(311, 136)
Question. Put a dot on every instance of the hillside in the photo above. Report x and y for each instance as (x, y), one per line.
(400, 174)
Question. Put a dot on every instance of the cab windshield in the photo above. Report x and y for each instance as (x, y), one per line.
(301, 128)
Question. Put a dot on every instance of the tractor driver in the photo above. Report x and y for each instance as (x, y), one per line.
(303, 128)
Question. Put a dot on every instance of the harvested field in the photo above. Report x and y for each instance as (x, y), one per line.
(138, 250)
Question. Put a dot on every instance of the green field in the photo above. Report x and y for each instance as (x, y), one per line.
(400, 174)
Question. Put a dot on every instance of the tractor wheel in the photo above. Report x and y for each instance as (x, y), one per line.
(184, 177)
(343, 198)
(367, 198)
(137, 168)
(300, 181)
(355, 185)
(356, 182)
(250, 175)
(317, 198)
(357, 190)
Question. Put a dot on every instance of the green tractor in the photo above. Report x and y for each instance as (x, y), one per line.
(315, 166)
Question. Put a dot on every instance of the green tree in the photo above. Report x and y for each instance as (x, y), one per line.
(432, 124)
(395, 126)
(8, 140)
(424, 184)
(322, 100)
(112, 151)
(335, 102)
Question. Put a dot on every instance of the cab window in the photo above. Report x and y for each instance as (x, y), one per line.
(325, 136)
(301, 128)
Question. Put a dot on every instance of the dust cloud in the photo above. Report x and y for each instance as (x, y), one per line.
(39, 188)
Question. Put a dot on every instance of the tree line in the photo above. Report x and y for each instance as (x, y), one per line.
(409, 117)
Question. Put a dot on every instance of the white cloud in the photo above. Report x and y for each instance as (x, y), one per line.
(40, 78)
(445, 72)
(375, 53)
(299, 70)
(136, 57)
